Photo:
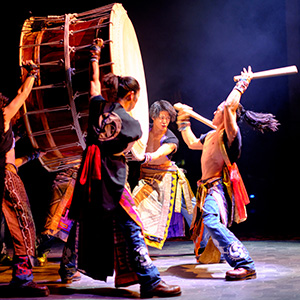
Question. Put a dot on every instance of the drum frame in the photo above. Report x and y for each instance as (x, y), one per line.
(32, 32)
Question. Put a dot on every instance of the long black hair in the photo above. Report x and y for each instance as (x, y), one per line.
(119, 86)
(3, 101)
(260, 121)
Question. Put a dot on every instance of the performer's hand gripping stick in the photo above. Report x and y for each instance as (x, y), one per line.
(179, 106)
(272, 73)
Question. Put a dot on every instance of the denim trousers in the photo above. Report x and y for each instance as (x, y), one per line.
(188, 217)
(68, 264)
(233, 251)
(146, 271)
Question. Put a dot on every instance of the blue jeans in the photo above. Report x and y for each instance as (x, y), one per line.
(68, 264)
(146, 271)
(188, 217)
(230, 247)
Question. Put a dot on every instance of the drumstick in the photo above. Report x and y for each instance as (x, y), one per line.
(271, 73)
(179, 106)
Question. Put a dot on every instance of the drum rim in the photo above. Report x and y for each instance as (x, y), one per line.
(117, 19)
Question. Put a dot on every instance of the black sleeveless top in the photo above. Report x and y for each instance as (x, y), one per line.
(6, 141)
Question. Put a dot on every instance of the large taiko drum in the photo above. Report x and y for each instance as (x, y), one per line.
(56, 112)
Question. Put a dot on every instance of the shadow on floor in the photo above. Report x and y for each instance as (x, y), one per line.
(104, 292)
(195, 271)
(55, 289)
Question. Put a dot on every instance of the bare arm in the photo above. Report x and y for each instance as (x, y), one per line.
(12, 108)
(184, 126)
(95, 85)
(230, 108)
(191, 140)
(18, 162)
(36, 153)
(162, 151)
(232, 102)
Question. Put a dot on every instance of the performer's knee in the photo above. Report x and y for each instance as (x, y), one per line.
(211, 220)
(211, 215)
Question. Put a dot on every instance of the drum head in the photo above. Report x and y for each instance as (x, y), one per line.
(126, 55)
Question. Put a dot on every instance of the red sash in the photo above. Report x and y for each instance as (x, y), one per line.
(239, 191)
(92, 165)
(237, 186)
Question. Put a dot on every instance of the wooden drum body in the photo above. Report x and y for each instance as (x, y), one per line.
(56, 112)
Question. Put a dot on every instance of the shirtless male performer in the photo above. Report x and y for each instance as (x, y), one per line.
(212, 207)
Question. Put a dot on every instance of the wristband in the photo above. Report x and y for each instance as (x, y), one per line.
(183, 125)
(95, 53)
(242, 85)
(32, 70)
(95, 50)
(148, 157)
(34, 155)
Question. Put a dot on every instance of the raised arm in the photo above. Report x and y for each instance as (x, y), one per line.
(184, 126)
(12, 108)
(232, 102)
(95, 85)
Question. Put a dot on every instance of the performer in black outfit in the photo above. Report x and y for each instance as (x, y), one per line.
(102, 200)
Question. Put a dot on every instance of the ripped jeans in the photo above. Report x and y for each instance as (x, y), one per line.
(230, 247)
(146, 271)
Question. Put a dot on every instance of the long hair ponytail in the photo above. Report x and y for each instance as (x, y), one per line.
(119, 86)
(260, 121)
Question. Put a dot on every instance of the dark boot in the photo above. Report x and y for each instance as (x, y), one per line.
(240, 274)
(30, 289)
(162, 290)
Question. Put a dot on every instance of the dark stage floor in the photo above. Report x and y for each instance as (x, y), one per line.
(277, 263)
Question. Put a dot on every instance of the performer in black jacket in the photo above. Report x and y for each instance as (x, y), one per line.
(102, 200)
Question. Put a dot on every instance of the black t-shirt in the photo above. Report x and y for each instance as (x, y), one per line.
(169, 138)
(6, 141)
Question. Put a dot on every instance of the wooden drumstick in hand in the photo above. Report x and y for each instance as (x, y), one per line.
(179, 106)
(272, 73)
